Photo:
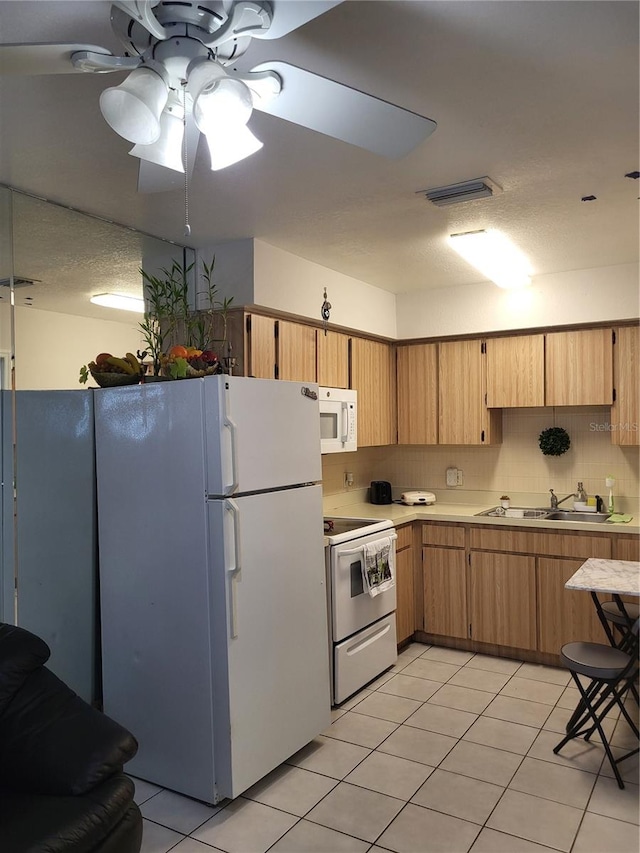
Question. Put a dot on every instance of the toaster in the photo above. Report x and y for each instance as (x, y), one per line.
(380, 492)
(418, 497)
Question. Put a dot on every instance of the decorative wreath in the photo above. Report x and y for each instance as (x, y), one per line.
(554, 441)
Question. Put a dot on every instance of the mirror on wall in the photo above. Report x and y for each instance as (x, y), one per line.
(61, 258)
(54, 260)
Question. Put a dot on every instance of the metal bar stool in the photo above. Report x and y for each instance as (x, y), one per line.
(611, 672)
(622, 616)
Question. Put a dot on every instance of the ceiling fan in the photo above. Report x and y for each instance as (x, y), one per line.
(180, 84)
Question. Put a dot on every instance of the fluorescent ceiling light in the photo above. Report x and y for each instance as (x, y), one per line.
(495, 256)
(119, 300)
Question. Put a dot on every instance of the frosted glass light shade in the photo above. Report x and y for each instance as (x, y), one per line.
(167, 149)
(230, 145)
(217, 99)
(134, 107)
(494, 255)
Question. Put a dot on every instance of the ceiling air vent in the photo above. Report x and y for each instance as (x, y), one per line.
(17, 282)
(465, 191)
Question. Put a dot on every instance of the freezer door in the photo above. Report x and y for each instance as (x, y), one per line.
(261, 434)
(270, 656)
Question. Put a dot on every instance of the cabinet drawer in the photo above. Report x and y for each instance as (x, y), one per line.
(405, 537)
(529, 542)
(446, 535)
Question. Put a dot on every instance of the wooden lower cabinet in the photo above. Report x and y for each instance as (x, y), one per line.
(564, 615)
(405, 593)
(444, 573)
(627, 548)
(502, 599)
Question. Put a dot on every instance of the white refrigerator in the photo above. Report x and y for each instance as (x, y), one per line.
(212, 581)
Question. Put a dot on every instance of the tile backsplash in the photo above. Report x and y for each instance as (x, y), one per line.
(516, 465)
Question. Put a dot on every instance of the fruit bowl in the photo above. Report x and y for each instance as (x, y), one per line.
(114, 380)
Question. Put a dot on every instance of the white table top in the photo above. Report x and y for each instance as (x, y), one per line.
(621, 577)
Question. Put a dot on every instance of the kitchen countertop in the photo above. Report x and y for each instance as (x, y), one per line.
(459, 512)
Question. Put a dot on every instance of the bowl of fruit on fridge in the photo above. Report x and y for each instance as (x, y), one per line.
(182, 362)
(110, 371)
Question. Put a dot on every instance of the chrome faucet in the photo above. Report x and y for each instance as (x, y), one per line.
(555, 502)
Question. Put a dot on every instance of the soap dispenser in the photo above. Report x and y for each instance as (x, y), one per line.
(610, 483)
(581, 495)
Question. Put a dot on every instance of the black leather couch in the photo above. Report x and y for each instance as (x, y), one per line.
(62, 789)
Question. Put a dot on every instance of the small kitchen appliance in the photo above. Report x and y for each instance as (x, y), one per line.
(380, 492)
(338, 420)
(417, 497)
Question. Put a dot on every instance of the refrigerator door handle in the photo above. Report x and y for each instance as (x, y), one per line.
(230, 424)
(232, 507)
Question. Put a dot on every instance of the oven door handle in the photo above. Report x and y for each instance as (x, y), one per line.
(351, 551)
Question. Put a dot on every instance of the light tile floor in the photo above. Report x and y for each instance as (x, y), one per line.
(448, 752)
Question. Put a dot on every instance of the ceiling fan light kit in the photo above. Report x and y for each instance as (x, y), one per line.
(133, 108)
(181, 51)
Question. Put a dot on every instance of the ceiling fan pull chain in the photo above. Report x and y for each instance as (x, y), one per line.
(187, 227)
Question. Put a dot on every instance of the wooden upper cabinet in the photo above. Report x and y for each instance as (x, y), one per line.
(463, 417)
(417, 380)
(296, 352)
(515, 371)
(333, 359)
(625, 412)
(261, 346)
(579, 368)
(373, 377)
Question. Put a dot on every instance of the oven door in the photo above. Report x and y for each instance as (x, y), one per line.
(352, 608)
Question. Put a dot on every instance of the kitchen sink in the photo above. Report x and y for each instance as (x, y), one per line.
(547, 514)
(576, 515)
(518, 512)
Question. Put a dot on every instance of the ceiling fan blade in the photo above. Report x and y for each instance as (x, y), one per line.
(43, 58)
(153, 178)
(344, 113)
(288, 15)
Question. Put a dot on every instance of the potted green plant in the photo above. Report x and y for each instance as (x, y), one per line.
(170, 321)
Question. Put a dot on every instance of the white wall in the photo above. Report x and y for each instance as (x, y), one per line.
(578, 296)
(51, 348)
(232, 271)
(286, 282)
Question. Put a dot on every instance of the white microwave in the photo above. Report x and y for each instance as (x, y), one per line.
(338, 420)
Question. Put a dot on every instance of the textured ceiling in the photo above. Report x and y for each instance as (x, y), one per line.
(540, 96)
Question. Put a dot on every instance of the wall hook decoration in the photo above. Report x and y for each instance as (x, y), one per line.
(325, 311)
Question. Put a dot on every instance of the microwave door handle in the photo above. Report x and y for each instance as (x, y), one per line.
(345, 423)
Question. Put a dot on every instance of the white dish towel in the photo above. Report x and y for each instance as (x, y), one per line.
(378, 569)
